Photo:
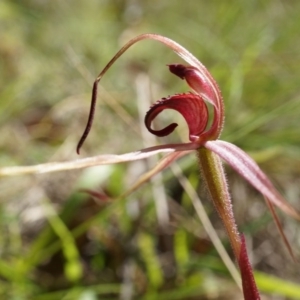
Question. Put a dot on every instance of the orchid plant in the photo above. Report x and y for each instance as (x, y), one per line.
(204, 140)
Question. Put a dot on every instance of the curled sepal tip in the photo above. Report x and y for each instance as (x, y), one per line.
(192, 107)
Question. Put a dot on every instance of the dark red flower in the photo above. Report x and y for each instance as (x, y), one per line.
(203, 138)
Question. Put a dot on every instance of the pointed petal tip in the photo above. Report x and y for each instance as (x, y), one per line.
(249, 286)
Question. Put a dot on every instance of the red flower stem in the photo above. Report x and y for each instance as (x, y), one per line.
(249, 286)
(215, 181)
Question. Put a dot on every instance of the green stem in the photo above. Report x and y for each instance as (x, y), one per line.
(216, 184)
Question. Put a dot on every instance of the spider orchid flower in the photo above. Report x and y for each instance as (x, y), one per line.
(210, 150)
(204, 140)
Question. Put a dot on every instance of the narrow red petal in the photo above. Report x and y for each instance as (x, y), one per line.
(280, 229)
(248, 168)
(164, 163)
(249, 286)
(190, 106)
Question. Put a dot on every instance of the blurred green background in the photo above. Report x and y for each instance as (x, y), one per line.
(59, 243)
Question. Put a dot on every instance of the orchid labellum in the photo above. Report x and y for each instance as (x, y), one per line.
(204, 140)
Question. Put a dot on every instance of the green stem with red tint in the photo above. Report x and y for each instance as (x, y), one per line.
(215, 181)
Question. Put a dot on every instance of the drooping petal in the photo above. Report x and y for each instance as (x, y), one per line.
(249, 169)
(164, 163)
(280, 229)
(190, 106)
(205, 86)
(249, 286)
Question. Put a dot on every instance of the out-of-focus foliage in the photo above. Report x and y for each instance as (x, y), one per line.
(58, 243)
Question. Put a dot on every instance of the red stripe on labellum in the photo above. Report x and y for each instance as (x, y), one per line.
(192, 107)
